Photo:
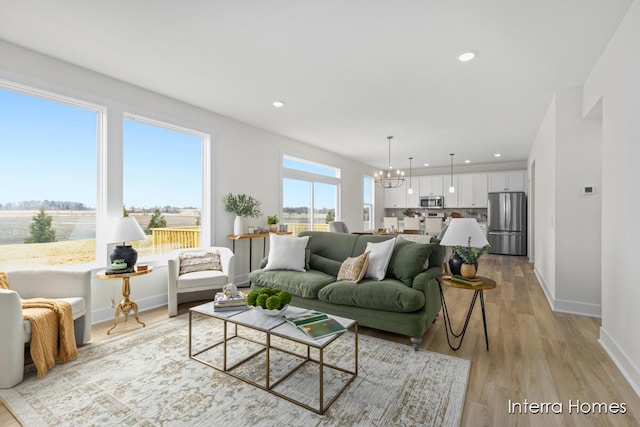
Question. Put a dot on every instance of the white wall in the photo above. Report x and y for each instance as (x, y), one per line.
(614, 82)
(246, 159)
(543, 153)
(578, 216)
(567, 222)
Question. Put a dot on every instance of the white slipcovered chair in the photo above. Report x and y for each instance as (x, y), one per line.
(197, 280)
(71, 286)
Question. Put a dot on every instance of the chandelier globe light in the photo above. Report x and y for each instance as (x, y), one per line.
(389, 179)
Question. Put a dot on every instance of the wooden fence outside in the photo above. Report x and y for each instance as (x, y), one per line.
(168, 239)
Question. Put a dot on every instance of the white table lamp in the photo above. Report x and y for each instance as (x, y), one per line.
(465, 232)
(127, 229)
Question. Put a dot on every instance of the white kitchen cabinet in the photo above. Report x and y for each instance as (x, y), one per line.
(413, 200)
(472, 190)
(451, 199)
(396, 197)
(507, 181)
(432, 185)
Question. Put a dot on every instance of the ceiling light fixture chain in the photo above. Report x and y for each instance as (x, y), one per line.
(387, 180)
(410, 189)
(452, 189)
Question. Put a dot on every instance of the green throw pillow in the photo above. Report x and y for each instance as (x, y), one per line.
(407, 260)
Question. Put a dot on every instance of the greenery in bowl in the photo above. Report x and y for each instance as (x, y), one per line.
(408, 212)
(242, 205)
(272, 219)
(269, 298)
(468, 254)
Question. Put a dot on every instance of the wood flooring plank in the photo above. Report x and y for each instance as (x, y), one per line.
(535, 354)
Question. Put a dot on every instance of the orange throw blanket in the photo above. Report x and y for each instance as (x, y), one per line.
(52, 333)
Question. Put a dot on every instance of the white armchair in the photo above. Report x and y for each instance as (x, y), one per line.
(197, 280)
(71, 286)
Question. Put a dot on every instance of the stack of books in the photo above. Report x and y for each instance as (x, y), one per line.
(235, 303)
(314, 323)
(466, 281)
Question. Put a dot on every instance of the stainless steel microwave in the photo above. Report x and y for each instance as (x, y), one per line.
(432, 202)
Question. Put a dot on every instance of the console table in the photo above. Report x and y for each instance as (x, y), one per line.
(250, 237)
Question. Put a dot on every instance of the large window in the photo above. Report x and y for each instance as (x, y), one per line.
(48, 178)
(309, 195)
(368, 196)
(162, 178)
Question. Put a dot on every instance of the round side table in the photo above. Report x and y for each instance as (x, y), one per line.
(127, 304)
(484, 284)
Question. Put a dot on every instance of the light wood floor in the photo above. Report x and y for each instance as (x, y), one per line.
(535, 354)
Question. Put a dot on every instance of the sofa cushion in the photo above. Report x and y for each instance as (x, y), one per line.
(303, 284)
(202, 278)
(336, 246)
(387, 295)
(379, 258)
(286, 252)
(353, 269)
(326, 265)
(408, 259)
(78, 309)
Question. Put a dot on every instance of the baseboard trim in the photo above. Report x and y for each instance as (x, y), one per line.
(626, 366)
(565, 306)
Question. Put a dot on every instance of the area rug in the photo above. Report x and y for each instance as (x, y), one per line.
(145, 378)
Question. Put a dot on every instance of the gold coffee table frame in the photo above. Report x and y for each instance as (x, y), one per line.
(127, 304)
(275, 326)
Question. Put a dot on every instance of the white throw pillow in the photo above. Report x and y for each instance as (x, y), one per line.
(379, 258)
(286, 252)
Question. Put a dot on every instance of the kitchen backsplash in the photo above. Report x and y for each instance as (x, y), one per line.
(479, 213)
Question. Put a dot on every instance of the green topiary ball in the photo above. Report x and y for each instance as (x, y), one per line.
(274, 303)
(285, 297)
(262, 300)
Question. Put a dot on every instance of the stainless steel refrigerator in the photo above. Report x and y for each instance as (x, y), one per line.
(507, 223)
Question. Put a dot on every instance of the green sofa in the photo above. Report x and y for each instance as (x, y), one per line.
(405, 302)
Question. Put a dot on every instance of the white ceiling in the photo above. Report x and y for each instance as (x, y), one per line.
(351, 72)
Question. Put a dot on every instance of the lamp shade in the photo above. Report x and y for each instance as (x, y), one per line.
(460, 230)
(127, 229)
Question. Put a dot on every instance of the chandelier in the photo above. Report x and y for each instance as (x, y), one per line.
(389, 179)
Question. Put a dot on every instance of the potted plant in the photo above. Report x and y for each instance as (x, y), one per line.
(242, 206)
(468, 258)
(272, 222)
(408, 213)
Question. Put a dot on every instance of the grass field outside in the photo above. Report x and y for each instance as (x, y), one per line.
(75, 231)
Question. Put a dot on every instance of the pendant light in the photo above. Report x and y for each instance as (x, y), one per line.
(451, 187)
(387, 180)
(410, 190)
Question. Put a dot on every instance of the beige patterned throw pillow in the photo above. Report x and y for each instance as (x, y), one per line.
(199, 261)
(353, 269)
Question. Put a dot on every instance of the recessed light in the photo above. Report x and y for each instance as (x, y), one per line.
(278, 104)
(467, 161)
(426, 164)
(497, 155)
(466, 56)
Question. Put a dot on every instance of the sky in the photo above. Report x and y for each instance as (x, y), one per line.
(49, 152)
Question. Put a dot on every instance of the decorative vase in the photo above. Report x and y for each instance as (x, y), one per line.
(238, 225)
(469, 270)
(273, 227)
(455, 262)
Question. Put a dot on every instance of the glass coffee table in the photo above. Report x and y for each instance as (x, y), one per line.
(271, 354)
